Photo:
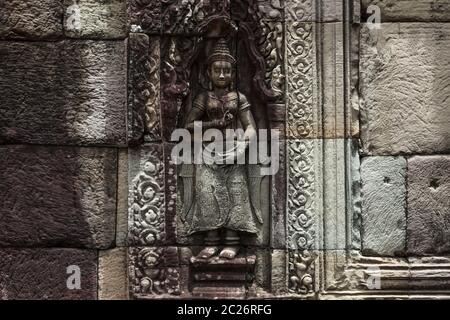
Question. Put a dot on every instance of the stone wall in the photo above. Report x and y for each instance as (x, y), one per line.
(63, 117)
(90, 92)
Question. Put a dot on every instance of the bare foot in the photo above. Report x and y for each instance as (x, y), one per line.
(207, 253)
(229, 252)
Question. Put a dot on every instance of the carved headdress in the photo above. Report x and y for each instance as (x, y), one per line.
(221, 52)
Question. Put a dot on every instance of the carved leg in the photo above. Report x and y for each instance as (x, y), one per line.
(232, 242)
(212, 240)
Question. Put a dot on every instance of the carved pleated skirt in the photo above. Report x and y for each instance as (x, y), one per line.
(221, 200)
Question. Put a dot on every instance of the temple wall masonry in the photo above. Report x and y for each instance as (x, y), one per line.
(91, 91)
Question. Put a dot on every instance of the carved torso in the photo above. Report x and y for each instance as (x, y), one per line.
(216, 108)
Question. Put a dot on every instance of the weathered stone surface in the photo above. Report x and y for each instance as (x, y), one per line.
(261, 275)
(429, 205)
(67, 92)
(278, 270)
(112, 274)
(30, 19)
(105, 19)
(57, 196)
(405, 86)
(44, 274)
(383, 205)
(407, 10)
(122, 198)
(278, 210)
(325, 188)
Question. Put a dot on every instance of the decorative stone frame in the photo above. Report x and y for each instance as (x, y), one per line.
(319, 217)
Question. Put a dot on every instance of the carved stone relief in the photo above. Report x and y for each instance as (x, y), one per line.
(298, 75)
(301, 272)
(154, 271)
(146, 207)
(143, 99)
(300, 53)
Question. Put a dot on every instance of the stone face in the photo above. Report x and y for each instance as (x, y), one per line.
(30, 19)
(105, 19)
(67, 92)
(405, 86)
(383, 205)
(57, 196)
(407, 10)
(45, 273)
(429, 205)
(112, 274)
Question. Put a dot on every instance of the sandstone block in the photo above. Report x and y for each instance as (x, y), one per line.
(405, 86)
(30, 19)
(112, 275)
(67, 92)
(57, 196)
(104, 19)
(45, 274)
(383, 205)
(407, 10)
(428, 205)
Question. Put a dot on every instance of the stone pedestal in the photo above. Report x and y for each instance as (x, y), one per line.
(222, 278)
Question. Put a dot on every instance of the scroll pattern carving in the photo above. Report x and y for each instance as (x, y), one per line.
(300, 51)
(150, 273)
(146, 207)
(299, 10)
(301, 195)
